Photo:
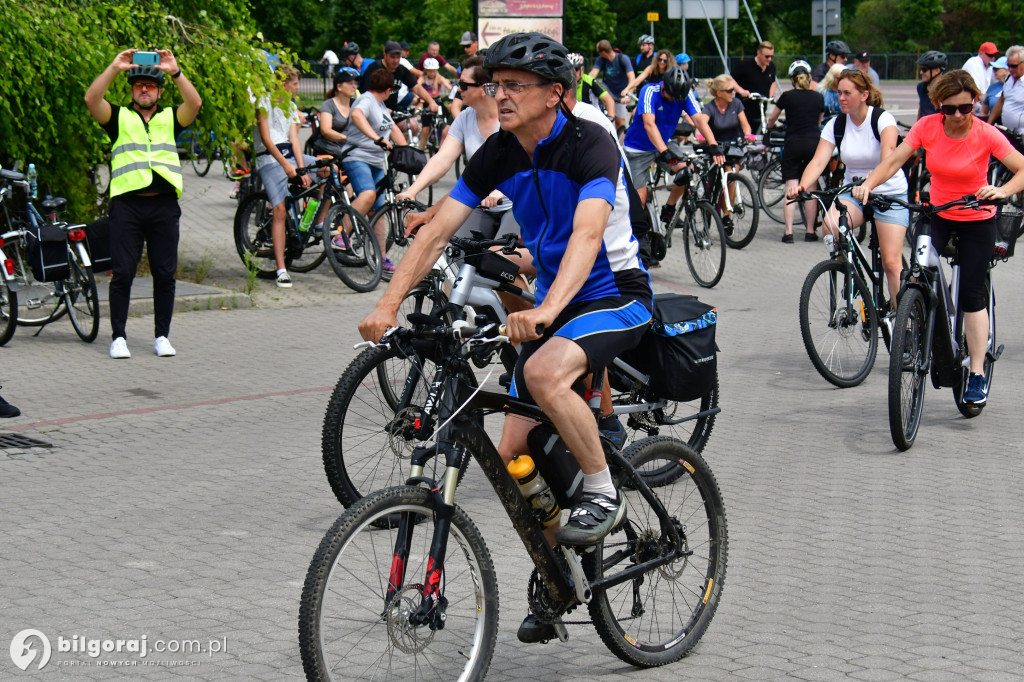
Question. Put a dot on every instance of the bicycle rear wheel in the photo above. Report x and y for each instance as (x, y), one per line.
(656, 618)
(841, 338)
(704, 237)
(253, 239)
(82, 301)
(201, 159)
(907, 369)
(391, 220)
(356, 259)
(349, 627)
(771, 191)
(745, 212)
(8, 312)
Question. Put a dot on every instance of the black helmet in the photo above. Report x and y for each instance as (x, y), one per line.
(349, 49)
(837, 47)
(149, 73)
(933, 59)
(533, 52)
(676, 82)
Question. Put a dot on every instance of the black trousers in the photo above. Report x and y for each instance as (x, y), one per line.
(134, 221)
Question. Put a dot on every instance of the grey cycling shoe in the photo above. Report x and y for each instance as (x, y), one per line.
(595, 516)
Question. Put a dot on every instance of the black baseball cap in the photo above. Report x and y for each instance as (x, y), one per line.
(404, 45)
(862, 57)
(391, 47)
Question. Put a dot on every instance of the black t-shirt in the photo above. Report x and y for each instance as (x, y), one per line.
(641, 62)
(819, 71)
(750, 77)
(923, 101)
(401, 74)
(803, 112)
(113, 129)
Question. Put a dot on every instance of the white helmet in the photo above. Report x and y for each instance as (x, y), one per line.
(799, 66)
(430, 64)
(576, 59)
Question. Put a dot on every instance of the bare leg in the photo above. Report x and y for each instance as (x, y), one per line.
(976, 331)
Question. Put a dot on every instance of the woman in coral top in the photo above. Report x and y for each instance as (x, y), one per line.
(959, 146)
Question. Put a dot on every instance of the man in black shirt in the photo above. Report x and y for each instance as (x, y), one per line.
(756, 74)
(836, 52)
(646, 45)
(391, 60)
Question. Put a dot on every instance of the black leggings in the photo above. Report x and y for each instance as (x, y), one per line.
(135, 220)
(977, 239)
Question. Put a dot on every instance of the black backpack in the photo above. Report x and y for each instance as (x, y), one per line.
(840, 128)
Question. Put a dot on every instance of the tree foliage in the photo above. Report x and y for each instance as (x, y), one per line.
(53, 51)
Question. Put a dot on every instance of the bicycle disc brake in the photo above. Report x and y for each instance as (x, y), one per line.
(399, 432)
(407, 638)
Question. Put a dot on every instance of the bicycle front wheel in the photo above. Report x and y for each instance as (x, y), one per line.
(704, 237)
(745, 212)
(8, 312)
(82, 301)
(657, 617)
(907, 369)
(839, 326)
(201, 159)
(771, 191)
(351, 248)
(365, 583)
(253, 239)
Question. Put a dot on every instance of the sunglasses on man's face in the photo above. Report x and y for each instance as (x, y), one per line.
(1012, 66)
(992, 56)
(463, 85)
(950, 109)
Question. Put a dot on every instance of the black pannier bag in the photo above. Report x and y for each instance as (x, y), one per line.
(47, 248)
(678, 352)
(406, 159)
(97, 238)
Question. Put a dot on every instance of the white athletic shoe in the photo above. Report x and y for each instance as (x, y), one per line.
(119, 349)
(163, 348)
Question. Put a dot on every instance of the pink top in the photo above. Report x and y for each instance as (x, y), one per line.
(958, 167)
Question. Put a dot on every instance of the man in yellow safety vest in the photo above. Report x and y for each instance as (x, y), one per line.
(145, 184)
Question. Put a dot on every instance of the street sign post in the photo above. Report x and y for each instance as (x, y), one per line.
(826, 20)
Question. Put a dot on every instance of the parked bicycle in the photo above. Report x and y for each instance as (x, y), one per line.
(47, 267)
(368, 432)
(732, 194)
(403, 585)
(389, 220)
(844, 300)
(928, 335)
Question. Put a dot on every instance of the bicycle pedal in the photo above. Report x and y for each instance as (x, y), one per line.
(34, 303)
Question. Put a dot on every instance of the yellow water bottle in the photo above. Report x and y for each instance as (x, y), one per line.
(535, 489)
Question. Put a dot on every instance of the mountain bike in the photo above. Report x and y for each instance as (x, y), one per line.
(843, 299)
(367, 435)
(928, 335)
(403, 586)
(389, 220)
(703, 232)
(738, 206)
(48, 271)
(304, 250)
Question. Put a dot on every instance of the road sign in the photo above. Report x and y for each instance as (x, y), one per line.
(519, 8)
(826, 12)
(716, 9)
(652, 16)
(492, 30)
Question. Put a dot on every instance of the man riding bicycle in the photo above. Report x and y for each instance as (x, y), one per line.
(564, 176)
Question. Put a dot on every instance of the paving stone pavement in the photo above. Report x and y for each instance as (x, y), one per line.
(183, 498)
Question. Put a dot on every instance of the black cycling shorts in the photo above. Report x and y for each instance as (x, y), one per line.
(797, 152)
(603, 328)
(974, 250)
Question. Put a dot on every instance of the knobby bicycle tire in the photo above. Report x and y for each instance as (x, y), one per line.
(358, 264)
(347, 628)
(82, 301)
(907, 373)
(841, 342)
(679, 599)
(745, 214)
(704, 239)
(8, 312)
(771, 191)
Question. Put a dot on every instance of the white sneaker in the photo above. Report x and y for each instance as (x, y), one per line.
(284, 281)
(163, 348)
(119, 349)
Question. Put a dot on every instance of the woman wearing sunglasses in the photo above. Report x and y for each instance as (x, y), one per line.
(958, 147)
(477, 121)
(654, 72)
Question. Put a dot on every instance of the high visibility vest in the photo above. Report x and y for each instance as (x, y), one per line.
(139, 151)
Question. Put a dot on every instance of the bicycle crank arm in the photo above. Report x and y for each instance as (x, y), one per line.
(994, 355)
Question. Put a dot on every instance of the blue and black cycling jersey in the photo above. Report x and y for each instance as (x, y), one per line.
(666, 117)
(577, 161)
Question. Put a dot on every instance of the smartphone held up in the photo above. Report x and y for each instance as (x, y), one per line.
(146, 58)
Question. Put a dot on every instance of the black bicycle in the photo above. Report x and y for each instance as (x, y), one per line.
(844, 301)
(402, 585)
(928, 335)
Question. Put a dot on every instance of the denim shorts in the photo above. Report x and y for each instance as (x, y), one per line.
(897, 215)
(275, 181)
(364, 177)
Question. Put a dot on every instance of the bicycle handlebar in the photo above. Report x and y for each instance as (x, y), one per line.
(509, 243)
(885, 201)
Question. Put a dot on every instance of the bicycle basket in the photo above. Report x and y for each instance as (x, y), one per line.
(47, 250)
(407, 159)
(776, 138)
(678, 352)
(1008, 223)
(756, 158)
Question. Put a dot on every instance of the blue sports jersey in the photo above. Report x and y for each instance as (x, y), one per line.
(666, 117)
